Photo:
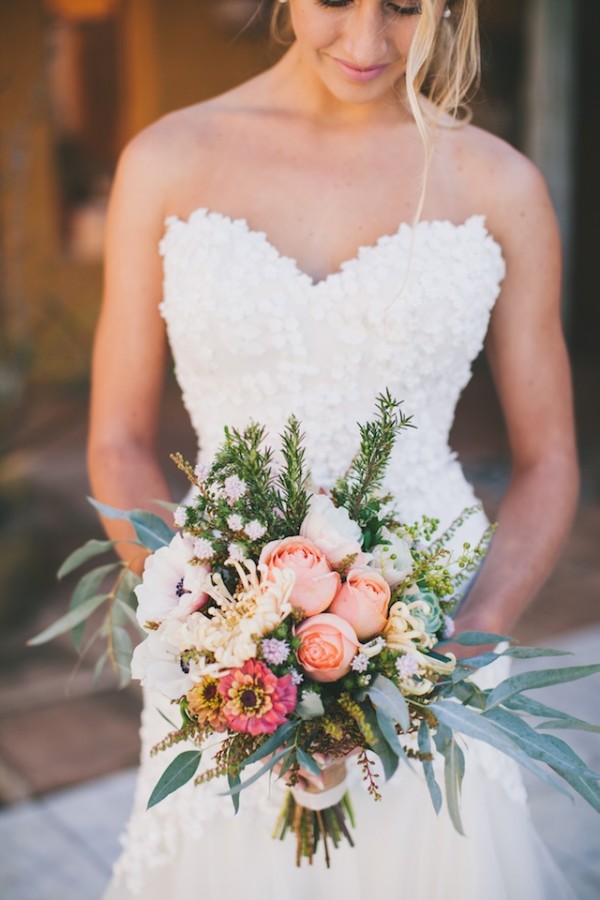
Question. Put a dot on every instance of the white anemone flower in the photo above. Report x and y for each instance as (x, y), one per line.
(156, 663)
(172, 587)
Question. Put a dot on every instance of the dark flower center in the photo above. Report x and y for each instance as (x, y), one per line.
(180, 590)
(210, 691)
(249, 699)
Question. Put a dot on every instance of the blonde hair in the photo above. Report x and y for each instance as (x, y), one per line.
(443, 66)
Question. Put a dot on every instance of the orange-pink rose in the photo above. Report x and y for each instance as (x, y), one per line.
(328, 647)
(363, 601)
(316, 585)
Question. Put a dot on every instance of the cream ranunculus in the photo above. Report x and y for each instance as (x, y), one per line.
(333, 531)
(394, 559)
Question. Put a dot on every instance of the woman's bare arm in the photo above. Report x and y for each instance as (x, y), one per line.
(530, 367)
(130, 350)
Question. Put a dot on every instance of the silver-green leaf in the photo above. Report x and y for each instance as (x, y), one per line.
(178, 773)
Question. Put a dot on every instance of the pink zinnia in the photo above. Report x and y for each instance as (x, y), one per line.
(257, 702)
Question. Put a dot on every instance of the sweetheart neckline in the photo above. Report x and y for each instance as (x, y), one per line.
(208, 214)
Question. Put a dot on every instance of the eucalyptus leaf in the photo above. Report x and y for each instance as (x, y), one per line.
(128, 615)
(539, 678)
(543, 747)
(384, 695)
(152, 531)
(122, 650)
(534, 707)
(99, 666)
(242, 785)
(379, 745)
(435, 791)
(234, 782)
(178, 773)
(474, 638)
(522, 652)
(307, 762)
(78, 557)
(454, 770)
(574, 724)
(277, 739)
(166, 718)
(68, 621)
(88, 586)
(126, 588)
(479, 726)
(388, 730)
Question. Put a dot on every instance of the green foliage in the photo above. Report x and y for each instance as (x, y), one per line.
(179, 772)
(358, 489)
(292, 479)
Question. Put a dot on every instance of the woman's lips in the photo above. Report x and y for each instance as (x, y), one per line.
(355, 73)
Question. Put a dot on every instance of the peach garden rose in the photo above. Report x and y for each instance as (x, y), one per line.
(328, 645)
(363, 601)
(316, 584)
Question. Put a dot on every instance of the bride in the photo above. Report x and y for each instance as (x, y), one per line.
(332, 227)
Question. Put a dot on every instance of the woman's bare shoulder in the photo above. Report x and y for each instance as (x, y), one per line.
(176, 149)
(498, 178)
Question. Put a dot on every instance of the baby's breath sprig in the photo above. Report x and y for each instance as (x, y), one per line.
(364, 477)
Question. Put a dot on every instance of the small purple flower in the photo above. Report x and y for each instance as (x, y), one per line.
(234, 488)
(449, 627)
(235, 522)
(275, 652)
(179, 516)
(407, 666)
(255, 530)
(359, 663)
(297, 677)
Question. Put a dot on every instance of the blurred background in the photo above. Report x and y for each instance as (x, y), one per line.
(78, 78)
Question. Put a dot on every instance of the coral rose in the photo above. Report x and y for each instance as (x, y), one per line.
(316, 585)
(328, 645)
(363, 602)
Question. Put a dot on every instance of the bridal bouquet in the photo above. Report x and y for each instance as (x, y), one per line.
(301, 627)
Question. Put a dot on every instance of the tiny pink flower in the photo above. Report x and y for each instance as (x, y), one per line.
(203, 549)
(179, 516)
(255, 530)
(407, 666)
(234, 488)
(235, 522)
(236, 552)
(201, 472)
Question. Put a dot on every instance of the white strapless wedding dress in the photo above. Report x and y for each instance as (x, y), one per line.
(254, 337)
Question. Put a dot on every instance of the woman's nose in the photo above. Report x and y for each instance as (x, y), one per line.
(364, 37)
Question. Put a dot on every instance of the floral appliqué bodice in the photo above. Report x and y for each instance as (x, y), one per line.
(253, 338)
